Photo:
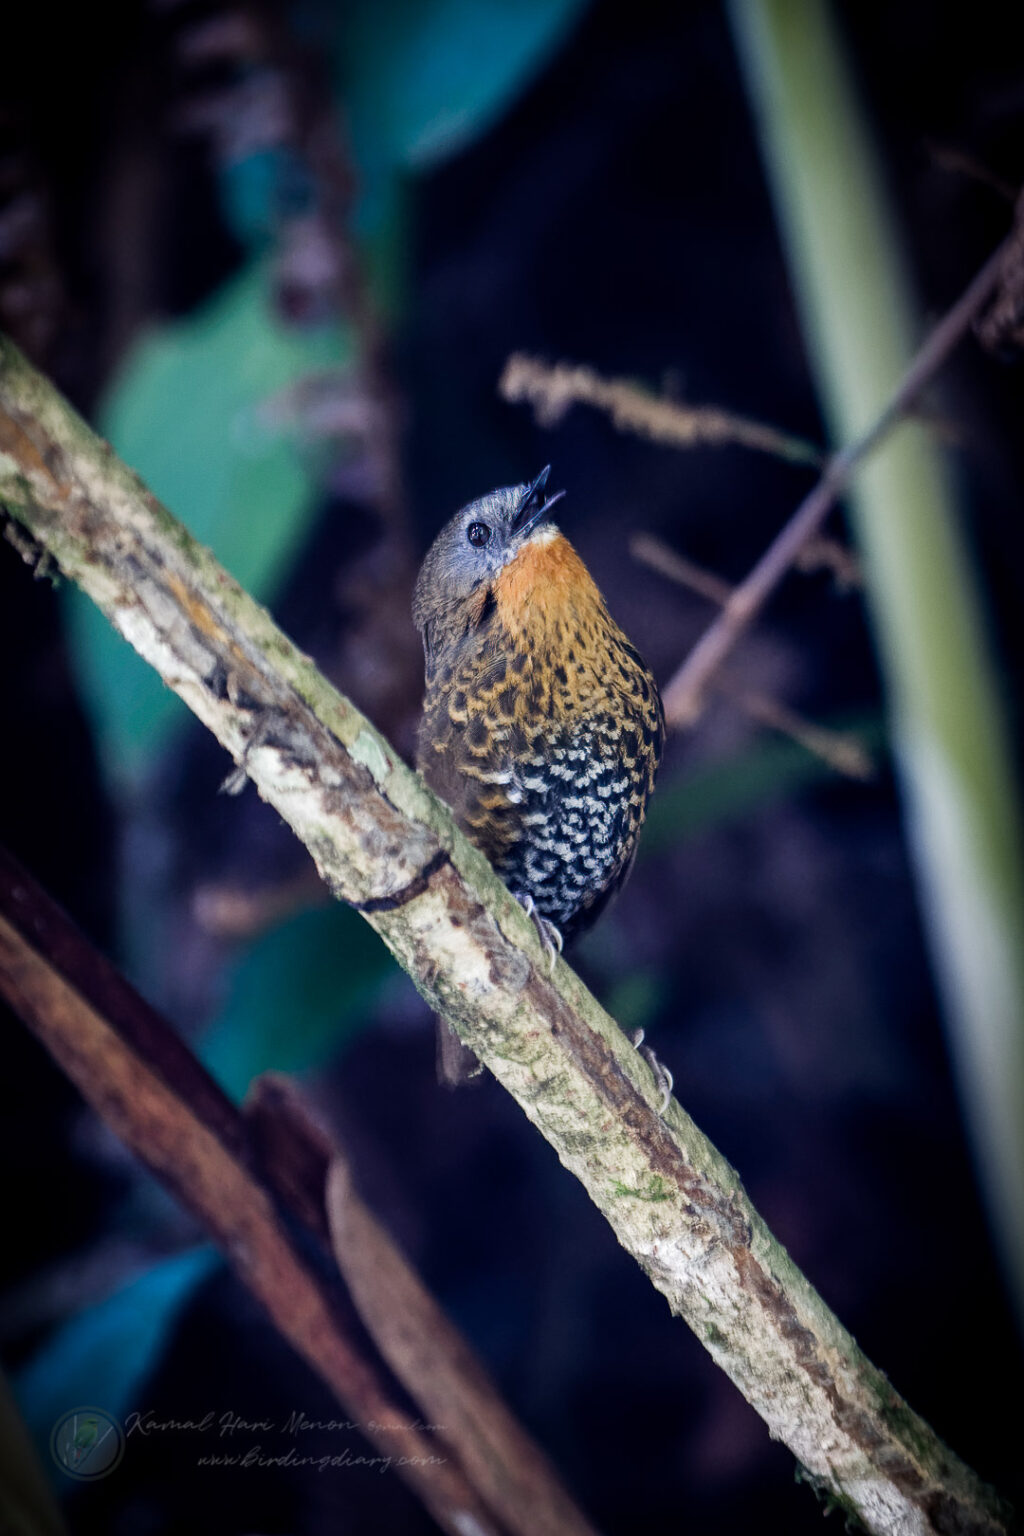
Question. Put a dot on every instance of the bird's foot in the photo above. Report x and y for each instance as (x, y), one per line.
(550, 936)
(239, 775)
(663, 1078)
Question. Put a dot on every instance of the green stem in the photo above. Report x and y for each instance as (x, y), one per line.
(947, 723)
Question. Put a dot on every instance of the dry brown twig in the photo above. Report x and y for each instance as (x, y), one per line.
(827, 554)
(383, 843)
(959, 162)
(552, 389)
(841, 751)
(1001, 328)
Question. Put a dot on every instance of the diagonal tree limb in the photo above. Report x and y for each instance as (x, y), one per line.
(228, 1170)
(383, 843)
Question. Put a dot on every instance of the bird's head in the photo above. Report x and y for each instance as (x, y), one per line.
(472, 548)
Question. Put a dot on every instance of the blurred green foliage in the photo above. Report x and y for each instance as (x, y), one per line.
(420, 80)
(188, 411)
(191, 406)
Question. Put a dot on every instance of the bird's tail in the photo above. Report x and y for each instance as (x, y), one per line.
(457, 1066)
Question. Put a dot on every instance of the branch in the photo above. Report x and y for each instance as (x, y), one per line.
(425, 1351)
(385, 844)
(237, 1174)
(683, 698)
(840, 750)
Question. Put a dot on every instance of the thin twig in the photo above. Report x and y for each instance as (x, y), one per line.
(948, 157)
(828, 554)
(658, 556)
(841, 751)
(685, 693)
(552, 389)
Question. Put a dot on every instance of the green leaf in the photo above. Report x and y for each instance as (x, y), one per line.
(422, 78)
(296, 996)
(188, 411)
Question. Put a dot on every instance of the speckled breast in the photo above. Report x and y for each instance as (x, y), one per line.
(580, 799)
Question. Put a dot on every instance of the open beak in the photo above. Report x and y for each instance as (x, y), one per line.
(534, 507)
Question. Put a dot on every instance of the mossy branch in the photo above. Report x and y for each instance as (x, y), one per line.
(386, 845)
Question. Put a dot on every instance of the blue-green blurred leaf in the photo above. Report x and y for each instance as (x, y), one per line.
(423, 78)
(420, 79)
(103, 1355)
(187, 410)
(295, 997)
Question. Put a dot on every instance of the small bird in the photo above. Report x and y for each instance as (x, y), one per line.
(542, 727)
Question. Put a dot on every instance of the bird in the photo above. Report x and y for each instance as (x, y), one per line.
(542, 726)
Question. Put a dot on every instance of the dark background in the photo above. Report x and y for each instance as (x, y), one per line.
(614, 214)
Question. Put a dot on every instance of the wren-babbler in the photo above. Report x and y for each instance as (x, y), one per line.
(542, 727)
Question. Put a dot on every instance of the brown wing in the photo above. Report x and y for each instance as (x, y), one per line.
(468, 744)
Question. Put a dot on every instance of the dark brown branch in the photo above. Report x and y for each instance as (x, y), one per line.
(414, 1336)
(823, 553)
(149, 1088)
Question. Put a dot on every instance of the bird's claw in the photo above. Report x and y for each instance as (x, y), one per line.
(550, 936)
(239, 775)
(664, 1081)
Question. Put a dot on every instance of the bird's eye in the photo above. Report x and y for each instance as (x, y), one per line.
(478, 535)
